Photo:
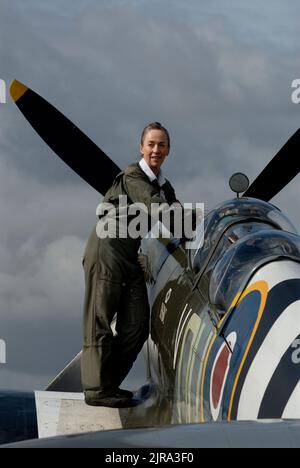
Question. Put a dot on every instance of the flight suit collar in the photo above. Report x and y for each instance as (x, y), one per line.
(150, 174)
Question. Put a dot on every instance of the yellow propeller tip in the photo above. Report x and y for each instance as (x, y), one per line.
(17, 89)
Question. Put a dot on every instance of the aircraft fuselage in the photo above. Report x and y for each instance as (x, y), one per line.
(225, 333)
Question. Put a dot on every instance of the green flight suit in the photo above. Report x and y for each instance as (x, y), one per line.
(115, 285)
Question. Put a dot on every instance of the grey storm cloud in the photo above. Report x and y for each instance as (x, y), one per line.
(218, 78)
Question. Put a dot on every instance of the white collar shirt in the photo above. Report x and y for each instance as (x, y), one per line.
(151, 176)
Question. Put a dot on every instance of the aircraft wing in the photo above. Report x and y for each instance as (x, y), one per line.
(263, 434)
(69, 379)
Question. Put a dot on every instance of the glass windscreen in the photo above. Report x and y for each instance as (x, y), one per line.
(239, 209)
(235, 267)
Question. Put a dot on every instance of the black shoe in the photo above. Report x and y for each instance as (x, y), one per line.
(114, 400)
(124, 393)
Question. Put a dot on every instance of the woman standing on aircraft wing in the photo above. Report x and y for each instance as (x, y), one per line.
(115, 281)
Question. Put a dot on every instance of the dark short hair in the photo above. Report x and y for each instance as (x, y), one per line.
(155, 126)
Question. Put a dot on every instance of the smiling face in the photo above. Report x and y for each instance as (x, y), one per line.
(155, 149)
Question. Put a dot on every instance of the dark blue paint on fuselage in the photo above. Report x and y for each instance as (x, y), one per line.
(243, 322)
(278, 300)
(18, 416)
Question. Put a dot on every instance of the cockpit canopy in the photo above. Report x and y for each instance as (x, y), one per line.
(239, 236)
(236, 266)
(239, 210)
(226, 212)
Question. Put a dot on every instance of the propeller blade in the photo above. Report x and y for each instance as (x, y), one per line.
(279, 172)
(65, 139)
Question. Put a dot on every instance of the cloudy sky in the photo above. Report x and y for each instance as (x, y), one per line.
(217, 73)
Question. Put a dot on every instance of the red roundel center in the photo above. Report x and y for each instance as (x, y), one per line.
(219, 375)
